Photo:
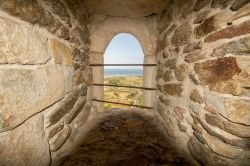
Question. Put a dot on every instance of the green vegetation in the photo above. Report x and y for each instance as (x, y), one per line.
(122, 95)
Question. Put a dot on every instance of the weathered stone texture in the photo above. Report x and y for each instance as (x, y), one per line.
(64, 107)
(192, 47)
(200, 4)
(173, 89)
(245, 11)
(25, 145)
(229, 32)
(239, 4)
(32, 12)
(240, 46)
(194, 57)
(181, 72)
(182, 35)
(22, 44)
(212, 24)
(62, 53)
(224, 124)
(27, 92)
(218, 73)
(196, 96)
(221, 3)
(238, 111)
(57, 142)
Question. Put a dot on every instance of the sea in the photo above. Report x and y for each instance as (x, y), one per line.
(113, 72)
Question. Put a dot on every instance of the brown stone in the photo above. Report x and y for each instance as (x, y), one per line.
(165, 20)
(239, 4)
(212, 24)
(194, 57)
(243, 143)
(221, 148)
(59, 9)
(60, 139)
(245, 11)
(181, 72)
(204, 154)
(171, 64)
(164, 100)
(199, 136)
(221, 3)
(80, 35)
(196, 96)
(239, 46)
(173, 89)
(61, 53)
(200, 4)
(238, 111)
(55, 129)
(168, 75)
(31, 12)
(216, 73)
(25, 145)
(181, 126)
(63, 109)
(76, 109)
(27, 92)
(180, 112)
(224, 124)
(161, 44)
(182, 35)
(200, 17)
(229, 32)
(210, 109)
(192, 47)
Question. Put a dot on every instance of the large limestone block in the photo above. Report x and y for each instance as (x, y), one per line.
(238, 111)
(20, 43)
(25, 92)
(25, 145)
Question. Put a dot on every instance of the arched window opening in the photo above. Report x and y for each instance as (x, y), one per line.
(123, 49)
(122, 76)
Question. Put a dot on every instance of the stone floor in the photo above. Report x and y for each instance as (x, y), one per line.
(125, 138)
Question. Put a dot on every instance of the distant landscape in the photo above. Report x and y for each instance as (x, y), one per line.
(130, 77)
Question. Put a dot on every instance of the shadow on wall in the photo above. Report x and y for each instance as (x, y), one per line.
(125, 138)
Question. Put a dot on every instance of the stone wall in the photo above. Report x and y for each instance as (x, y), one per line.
(44, 78)
(203, 79)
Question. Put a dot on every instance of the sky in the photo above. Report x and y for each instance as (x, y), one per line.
(124, 49)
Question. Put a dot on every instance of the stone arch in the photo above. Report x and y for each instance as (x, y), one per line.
(103, 30)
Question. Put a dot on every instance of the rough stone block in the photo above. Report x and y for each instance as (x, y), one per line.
(212, 24)
(229, 32)
(239, 46)
(63, 108)
(218, 75)
(173, 89)
(224, 124)
(196, 96)
(245, 11)
(30, 11)
(192, 47)
(20, 43)
(26, 92)
(60, 139)
(221, 148)
(194, 56)
(238, 111)
(62, 53)
(182, 35)
(239, 4)
(25, 145)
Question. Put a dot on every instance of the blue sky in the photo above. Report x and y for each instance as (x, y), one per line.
(124, 49)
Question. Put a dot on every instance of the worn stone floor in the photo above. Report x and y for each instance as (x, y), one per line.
(125, 138)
